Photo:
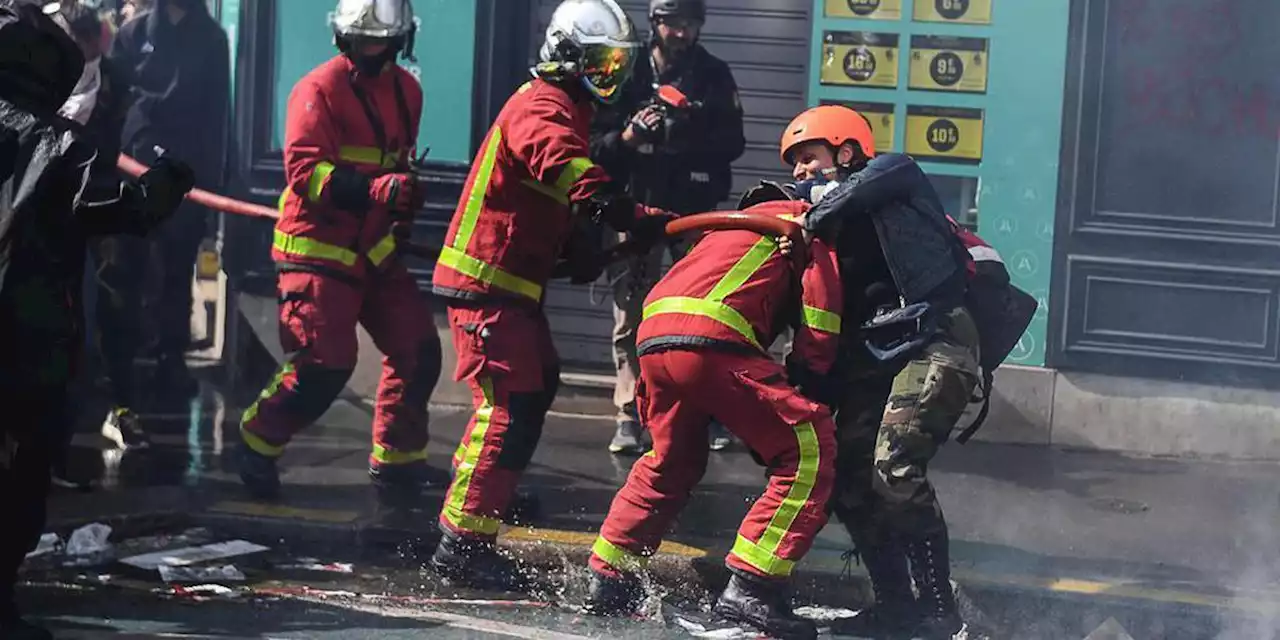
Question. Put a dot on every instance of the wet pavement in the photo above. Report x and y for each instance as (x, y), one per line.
(1046, 544)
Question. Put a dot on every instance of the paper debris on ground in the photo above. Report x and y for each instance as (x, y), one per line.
(193, 555)
(89, 540)
(200, 574)
(48, 544)
(312, 564)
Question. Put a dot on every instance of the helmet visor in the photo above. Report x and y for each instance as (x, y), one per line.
(607, 67)
(373, 18)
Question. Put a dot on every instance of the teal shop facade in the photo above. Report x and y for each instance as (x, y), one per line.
(1059, 129)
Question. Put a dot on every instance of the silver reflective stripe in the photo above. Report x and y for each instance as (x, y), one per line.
(985, 254)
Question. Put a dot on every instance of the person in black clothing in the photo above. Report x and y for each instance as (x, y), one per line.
(48, 210)
(99, 102)
(672, 158)
(175, 59)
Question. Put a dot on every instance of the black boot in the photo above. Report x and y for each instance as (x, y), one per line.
(258, 473)
(931, 570)
(404, 483)
(895, 613)
(765, 605)
(476, 563)
(610, 596)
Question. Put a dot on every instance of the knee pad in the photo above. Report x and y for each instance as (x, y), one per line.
(528, 413)
(426, 373)
(315, 390)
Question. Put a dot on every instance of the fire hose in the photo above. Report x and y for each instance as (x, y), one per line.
(714, 221)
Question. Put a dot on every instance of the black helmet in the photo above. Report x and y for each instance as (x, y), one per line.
(694, 9)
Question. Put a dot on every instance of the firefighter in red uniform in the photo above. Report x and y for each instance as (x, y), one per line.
(531, 182)
(350, 130)
(703, 355)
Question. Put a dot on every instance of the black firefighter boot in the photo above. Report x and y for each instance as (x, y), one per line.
(258, 473)
(895, 613)
(765, 605)
(931, 570)
(402, 485)
(476, 563)
(614, 595)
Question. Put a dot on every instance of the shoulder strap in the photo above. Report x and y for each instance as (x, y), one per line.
(988, 378)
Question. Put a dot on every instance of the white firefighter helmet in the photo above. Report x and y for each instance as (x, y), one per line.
(372, 18)
(591, 39)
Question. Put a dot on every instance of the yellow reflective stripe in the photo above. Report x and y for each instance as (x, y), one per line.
(762, 554)
(260, 446)
(617, 557)
(742, 271)
(251, 440)
(308, 248)
(380, 251)
(391, 456)
(369, 156)
(466, 468)
(475, 199)
(524, 87)
(284, 195)
(487, 273)
(545, 190)
(821, 319)
(572, 173)
(718, 311)
(315, 185)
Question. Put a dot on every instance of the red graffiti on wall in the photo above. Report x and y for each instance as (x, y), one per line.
(1193, 80)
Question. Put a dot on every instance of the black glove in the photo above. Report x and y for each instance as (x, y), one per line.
(580, 267)
(823, 389)
(164, 186)
(648, 230)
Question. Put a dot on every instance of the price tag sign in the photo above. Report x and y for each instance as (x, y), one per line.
(945, 134)
(865, 9)
(859, 59)
(961, 11)
(880, 115)
(948, 64)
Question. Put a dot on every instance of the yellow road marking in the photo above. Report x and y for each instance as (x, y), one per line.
(581, 539)
(284, 512)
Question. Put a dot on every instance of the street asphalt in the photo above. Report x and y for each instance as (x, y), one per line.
(1046, 543)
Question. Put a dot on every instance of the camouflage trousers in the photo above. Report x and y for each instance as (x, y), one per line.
(890, 426)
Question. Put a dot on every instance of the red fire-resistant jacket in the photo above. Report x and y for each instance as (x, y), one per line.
(328, 127)
(735, 288)
(514, 217)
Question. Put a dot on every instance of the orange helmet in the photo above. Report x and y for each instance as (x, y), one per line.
(829, 123)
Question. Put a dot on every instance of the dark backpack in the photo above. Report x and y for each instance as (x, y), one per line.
(1002, 313)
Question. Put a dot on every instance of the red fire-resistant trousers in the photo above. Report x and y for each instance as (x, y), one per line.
(318, 317)
(679, 392)
(506, 357)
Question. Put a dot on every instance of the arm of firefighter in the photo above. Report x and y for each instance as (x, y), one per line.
(311, 151)
(724, 140)
(886, 178)
(556, 153)
(818, 335)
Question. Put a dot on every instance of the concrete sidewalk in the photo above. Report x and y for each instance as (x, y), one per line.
(1027, 520)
